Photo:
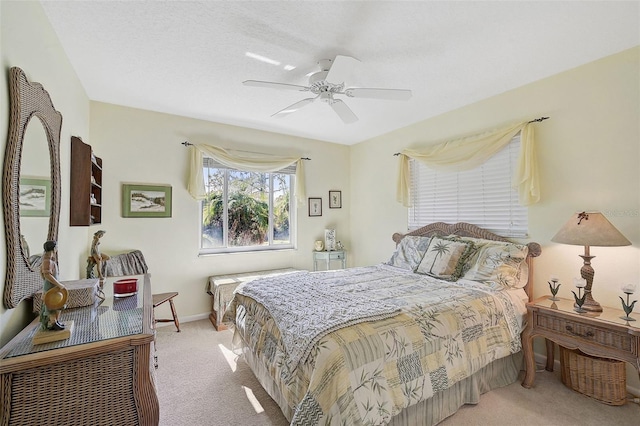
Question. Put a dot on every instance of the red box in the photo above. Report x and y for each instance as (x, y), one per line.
(125, 287)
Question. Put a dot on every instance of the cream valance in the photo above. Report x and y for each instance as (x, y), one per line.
(469, 152)
(251, 163)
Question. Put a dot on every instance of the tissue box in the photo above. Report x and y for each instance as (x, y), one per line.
(81, 293)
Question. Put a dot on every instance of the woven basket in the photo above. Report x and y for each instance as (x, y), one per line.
(81, 293)
(599, 378)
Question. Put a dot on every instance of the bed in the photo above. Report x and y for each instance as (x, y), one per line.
(404, 342)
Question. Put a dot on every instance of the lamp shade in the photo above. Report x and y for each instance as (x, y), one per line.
(590, 229)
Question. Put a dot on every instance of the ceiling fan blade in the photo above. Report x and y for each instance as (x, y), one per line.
(273, 85)
(294, 107)
(343, 111)
(341, 69)
(391, 94)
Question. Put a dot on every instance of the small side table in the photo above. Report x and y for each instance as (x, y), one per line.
(600, 334)
(328, 256)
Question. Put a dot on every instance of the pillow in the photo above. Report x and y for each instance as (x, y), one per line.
(478, 244)
(500, 264)
(409, 252)
(445, 258)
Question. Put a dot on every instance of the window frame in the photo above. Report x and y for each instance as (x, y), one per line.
(290, 171)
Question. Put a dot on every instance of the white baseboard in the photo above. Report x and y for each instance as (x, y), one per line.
(184, 319)
(542, 360)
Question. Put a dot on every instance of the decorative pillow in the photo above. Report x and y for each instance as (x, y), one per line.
(445, 258)
(478, 244)
(500, 264)
(409, 252)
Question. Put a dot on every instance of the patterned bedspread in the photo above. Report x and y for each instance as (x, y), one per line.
(368, 372)
(305, 308)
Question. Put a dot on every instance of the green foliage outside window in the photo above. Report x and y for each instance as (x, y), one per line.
(247, 209)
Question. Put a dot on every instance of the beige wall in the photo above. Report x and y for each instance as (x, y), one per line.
(28, 41)
(139, 146)
(588, 153)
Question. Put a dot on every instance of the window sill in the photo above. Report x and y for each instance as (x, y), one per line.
(208, 253)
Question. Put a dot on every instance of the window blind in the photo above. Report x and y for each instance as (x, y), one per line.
(482, 196)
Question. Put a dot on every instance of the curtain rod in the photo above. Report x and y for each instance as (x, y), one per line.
(537, 120)
(187, 143)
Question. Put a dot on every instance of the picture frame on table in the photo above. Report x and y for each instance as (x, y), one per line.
(315, 206)
(140, 200)
(335, 199)
(35, 197)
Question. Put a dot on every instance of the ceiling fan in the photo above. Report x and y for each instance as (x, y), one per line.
(327, 83)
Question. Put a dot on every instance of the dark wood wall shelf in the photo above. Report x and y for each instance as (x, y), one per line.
(86, 185)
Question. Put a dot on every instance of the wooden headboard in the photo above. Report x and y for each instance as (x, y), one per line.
(469, 230)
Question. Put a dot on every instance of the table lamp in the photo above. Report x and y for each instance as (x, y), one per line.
(590, 229)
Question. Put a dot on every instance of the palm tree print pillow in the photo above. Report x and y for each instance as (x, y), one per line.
(409, 252)
(501, 265)
(445, 258)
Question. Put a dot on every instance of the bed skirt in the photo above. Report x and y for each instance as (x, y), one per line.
(499, 373)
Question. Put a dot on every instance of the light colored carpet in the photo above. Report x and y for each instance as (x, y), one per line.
(199, 383)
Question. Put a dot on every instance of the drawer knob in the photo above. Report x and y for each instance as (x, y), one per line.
(587, 334)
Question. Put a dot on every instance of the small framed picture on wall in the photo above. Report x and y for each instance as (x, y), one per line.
(335, 199)
(315, 206)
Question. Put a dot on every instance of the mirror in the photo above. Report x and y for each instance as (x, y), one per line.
(30, 184)
(35, 191)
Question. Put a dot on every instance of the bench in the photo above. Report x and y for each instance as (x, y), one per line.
(221, 288)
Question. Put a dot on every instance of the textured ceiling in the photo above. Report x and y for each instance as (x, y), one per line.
(189, 58)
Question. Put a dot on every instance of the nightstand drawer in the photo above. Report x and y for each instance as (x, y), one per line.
(337, 255)
(331, 255)
(588, 333)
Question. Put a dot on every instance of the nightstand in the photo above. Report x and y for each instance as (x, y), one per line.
(328, 256)
(601, 334)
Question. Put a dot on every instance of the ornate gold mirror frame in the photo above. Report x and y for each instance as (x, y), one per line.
(28, 100)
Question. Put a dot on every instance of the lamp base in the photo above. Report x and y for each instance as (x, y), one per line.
(590, 305)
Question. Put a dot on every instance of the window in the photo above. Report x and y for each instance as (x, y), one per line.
(245, 211)
(482, 196)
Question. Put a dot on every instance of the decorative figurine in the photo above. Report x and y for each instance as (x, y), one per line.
(554, 286)
(628, 289)
(580, 298)
(96, 258)
(54, 292)
(319, 245)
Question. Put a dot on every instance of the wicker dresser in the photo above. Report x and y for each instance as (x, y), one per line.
(102, 375)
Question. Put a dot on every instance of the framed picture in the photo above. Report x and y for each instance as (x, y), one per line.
(315, 206)
(335, 199)
(146, 200)
(35, 197)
